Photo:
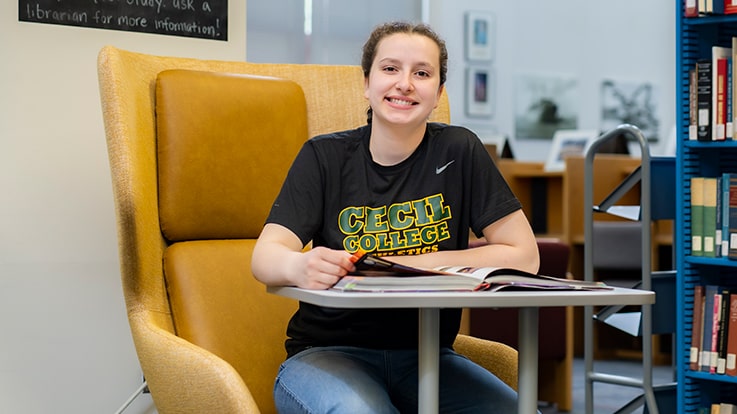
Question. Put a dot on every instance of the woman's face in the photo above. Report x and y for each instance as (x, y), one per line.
(403, 86)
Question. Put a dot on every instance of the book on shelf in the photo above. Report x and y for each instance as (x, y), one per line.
(719, 59)
(716, 313)
(729, 183)
(379, 274)
(718, 87)
(704, 99)
(731, 88)
(709, 215)
(692, 109)
(718, 219)
(731, 362)
(697, 328)
(708, 357)
(728, 91)
(730, 6)
(723, 332)
(727, 408)
(724, 213)
(691, 8)
(697, 215)
(722, 408)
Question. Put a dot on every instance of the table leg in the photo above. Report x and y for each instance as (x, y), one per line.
(528, 351)
(428, 360)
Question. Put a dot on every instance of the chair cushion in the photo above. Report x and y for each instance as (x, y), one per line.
(617, 245)
(217, 305)
(225, 143)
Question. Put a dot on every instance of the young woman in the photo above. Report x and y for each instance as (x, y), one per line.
(397, 186)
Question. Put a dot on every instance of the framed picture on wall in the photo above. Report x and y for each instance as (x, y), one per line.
(479, 88)
(567, 142)
(480, 36)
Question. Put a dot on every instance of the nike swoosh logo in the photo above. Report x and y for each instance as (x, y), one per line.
(439, 170)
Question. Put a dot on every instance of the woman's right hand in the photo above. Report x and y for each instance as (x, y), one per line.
(279, 260)
(320, 268)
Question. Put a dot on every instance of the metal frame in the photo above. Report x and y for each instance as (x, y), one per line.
(591, 376)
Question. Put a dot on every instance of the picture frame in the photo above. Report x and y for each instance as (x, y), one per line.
(479, 92)
(480, 28)
(628, 102)
(545, 103)
(568, 142)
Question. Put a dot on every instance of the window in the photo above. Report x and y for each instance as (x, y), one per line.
(318, 31)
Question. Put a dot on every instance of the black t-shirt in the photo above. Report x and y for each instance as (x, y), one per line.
(336, 196)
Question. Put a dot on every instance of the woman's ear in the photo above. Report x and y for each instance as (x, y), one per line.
(440, 93)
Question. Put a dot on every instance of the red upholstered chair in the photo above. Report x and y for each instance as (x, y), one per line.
(555, 330)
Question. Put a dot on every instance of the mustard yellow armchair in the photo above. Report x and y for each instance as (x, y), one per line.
(198, 150)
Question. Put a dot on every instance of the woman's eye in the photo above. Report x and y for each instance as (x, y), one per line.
(423, 74)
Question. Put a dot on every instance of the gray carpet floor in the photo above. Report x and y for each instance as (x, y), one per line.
(608, 398)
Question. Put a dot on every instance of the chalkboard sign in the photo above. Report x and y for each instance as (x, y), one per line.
(207, 19)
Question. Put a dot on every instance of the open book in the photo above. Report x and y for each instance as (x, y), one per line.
(377, 274)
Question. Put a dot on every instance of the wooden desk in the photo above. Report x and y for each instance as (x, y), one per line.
(429, 304)
(540, 193)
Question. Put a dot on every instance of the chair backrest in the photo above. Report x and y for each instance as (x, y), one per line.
(197, 154)
(224, 145)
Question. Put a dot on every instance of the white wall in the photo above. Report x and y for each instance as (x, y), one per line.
(625, 40)
(65, 345)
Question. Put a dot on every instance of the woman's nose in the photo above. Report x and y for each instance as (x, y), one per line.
(404, 84)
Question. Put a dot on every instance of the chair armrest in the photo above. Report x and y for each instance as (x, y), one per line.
(184, 378)
(499, 359)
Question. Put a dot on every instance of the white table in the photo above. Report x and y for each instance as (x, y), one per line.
(429, 304)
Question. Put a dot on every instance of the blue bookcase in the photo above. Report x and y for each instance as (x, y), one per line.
(694, 38)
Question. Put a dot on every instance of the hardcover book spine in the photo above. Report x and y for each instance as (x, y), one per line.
(718, 219)
(691, 8)
(732, 188)
(729, 131)
(703, 96)
(706, 354)
(719, 101)
(719, 56)
(715, 315)
(692, 106)
(733, 81)
(697, 328)
(716, 6)
(724, 202)
(727, 408)
(730, 7)
(697, 216)
(710, 216)
(724, 310)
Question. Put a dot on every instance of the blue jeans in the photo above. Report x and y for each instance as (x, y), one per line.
(353, 380)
